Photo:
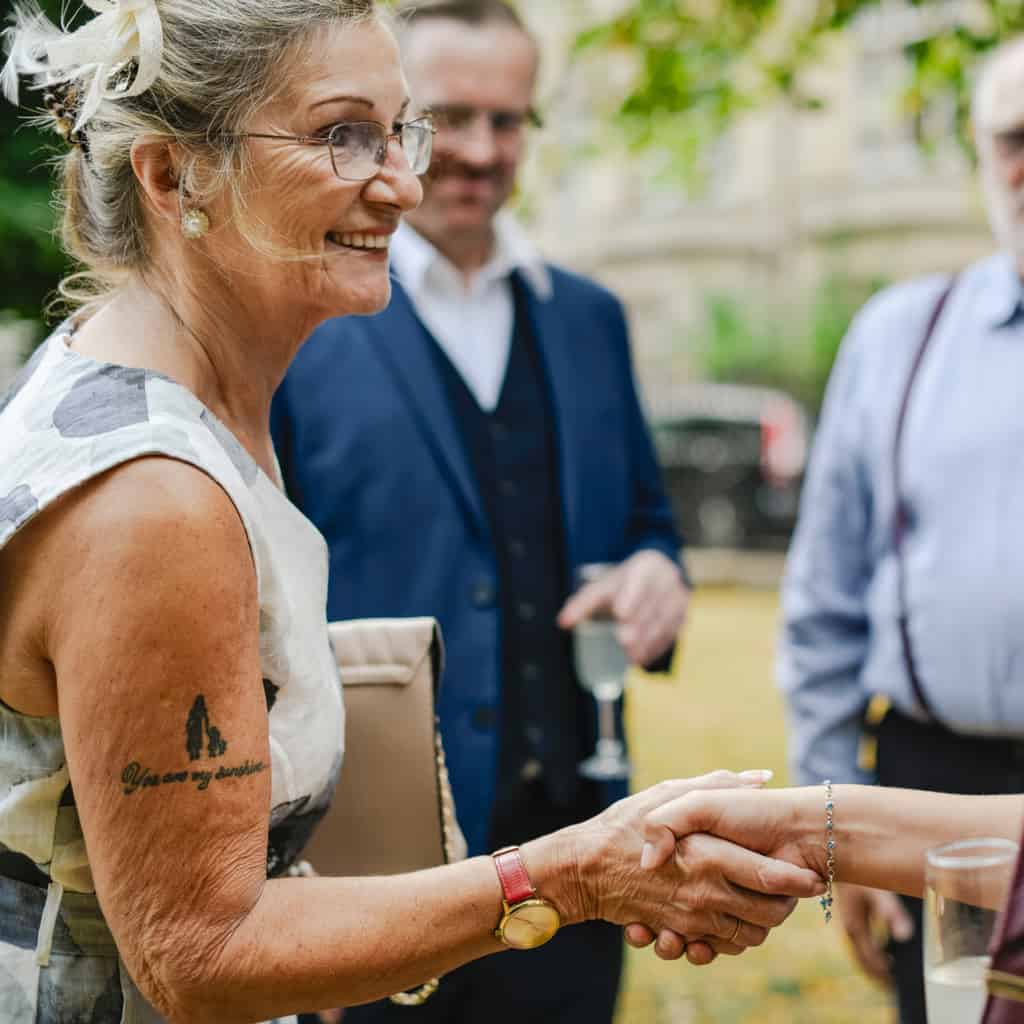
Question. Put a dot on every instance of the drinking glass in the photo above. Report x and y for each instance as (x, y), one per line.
(601, 666)
(965, 883)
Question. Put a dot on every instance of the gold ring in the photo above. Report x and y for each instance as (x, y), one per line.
(735, 932)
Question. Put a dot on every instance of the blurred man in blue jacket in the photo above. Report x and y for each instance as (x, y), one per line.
(905, 583)
(463, 452)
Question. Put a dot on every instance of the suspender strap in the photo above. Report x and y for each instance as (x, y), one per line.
(900, 515)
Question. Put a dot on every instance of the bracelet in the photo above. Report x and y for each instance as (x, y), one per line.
(827, 900)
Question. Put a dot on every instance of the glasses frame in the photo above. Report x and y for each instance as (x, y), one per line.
(325, 140)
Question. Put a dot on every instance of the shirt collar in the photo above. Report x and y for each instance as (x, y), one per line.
(414, 259)
(1002, 293)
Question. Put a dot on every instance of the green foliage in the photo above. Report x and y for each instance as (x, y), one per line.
(746, 343)
(31, 262)
(699, 63)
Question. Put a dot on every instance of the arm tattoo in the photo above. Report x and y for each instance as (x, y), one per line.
(135, 776)
(197, 723)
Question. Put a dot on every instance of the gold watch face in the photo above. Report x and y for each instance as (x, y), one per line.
(529, 924)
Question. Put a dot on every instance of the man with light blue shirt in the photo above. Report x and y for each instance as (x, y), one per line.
(902, 652)
(463, 452)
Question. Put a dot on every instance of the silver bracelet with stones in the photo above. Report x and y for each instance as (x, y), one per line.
(830, 853)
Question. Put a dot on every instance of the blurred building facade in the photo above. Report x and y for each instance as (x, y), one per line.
(791, 196)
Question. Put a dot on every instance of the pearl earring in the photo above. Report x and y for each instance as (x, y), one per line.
(194, 224)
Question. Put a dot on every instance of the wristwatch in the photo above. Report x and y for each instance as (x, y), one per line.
(527, 920)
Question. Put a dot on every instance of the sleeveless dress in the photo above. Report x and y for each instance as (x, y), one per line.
(66, 419)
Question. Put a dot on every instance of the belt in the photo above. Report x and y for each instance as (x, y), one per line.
(925, 755)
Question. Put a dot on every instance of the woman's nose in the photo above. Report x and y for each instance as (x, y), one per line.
(395, 182)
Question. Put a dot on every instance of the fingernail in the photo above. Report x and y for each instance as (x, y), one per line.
(758, 775)
(903, 930)
(647, 857)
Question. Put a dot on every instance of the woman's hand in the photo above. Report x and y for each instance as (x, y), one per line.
(707, 888)
(784, 824)
(773, 824)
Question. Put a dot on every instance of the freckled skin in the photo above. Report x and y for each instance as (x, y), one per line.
(295, 197)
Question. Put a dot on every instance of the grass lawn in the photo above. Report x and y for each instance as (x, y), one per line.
(722, 711)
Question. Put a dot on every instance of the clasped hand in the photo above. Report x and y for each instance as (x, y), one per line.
(761, 825)
(695, 893)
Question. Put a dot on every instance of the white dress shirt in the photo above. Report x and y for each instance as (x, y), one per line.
(472, 323)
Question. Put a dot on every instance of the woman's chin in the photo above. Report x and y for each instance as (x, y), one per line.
(365, 301)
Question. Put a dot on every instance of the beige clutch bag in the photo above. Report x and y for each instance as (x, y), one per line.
(393, 809)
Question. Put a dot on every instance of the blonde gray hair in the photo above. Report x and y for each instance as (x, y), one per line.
(222, 60)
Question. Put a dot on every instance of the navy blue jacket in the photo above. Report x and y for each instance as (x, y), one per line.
(370, 451)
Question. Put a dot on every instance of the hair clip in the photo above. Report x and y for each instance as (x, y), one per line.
(114, 56)
(61, 102)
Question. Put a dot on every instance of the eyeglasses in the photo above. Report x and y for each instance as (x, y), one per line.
(359, 149)
(460, 120)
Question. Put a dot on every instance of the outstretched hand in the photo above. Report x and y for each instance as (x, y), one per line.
(708, 896)
(761, 822)
(764, 821)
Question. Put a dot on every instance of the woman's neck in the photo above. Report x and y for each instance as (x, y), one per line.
(208, 347)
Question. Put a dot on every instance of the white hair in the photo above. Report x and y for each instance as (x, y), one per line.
(998, 102)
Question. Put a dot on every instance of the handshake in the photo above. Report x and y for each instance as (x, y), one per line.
(699, 867)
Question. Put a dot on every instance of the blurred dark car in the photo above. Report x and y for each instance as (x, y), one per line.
(733, 459)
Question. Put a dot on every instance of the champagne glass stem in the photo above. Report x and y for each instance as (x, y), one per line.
(606, 719)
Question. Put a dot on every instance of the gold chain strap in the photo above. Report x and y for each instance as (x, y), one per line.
(454, 850)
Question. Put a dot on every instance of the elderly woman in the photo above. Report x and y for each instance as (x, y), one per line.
(169, 707)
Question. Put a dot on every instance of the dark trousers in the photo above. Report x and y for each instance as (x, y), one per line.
(916, 756)
(574, 979)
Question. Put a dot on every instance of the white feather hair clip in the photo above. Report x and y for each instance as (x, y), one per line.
(117, 53)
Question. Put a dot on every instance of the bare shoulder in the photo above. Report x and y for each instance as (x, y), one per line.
(154, 536)
(140, 527)
(156, 545)
(155, 498)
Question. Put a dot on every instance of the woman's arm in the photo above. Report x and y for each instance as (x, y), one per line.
(881, 834)
(151, 613)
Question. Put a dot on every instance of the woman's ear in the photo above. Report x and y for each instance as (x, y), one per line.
(156, 163)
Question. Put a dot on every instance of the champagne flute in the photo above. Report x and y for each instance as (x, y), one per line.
(964, 882)
(601, 666)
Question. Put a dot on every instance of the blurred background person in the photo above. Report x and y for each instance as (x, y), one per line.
(464, 451)
(905, 581)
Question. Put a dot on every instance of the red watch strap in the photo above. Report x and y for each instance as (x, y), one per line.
(515, 882)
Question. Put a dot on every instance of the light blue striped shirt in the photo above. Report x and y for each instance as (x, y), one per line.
(962, 465)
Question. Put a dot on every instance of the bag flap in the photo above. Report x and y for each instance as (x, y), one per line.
(392, 811)
(389, 652)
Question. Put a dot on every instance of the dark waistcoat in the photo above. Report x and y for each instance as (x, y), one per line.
(513, 454)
